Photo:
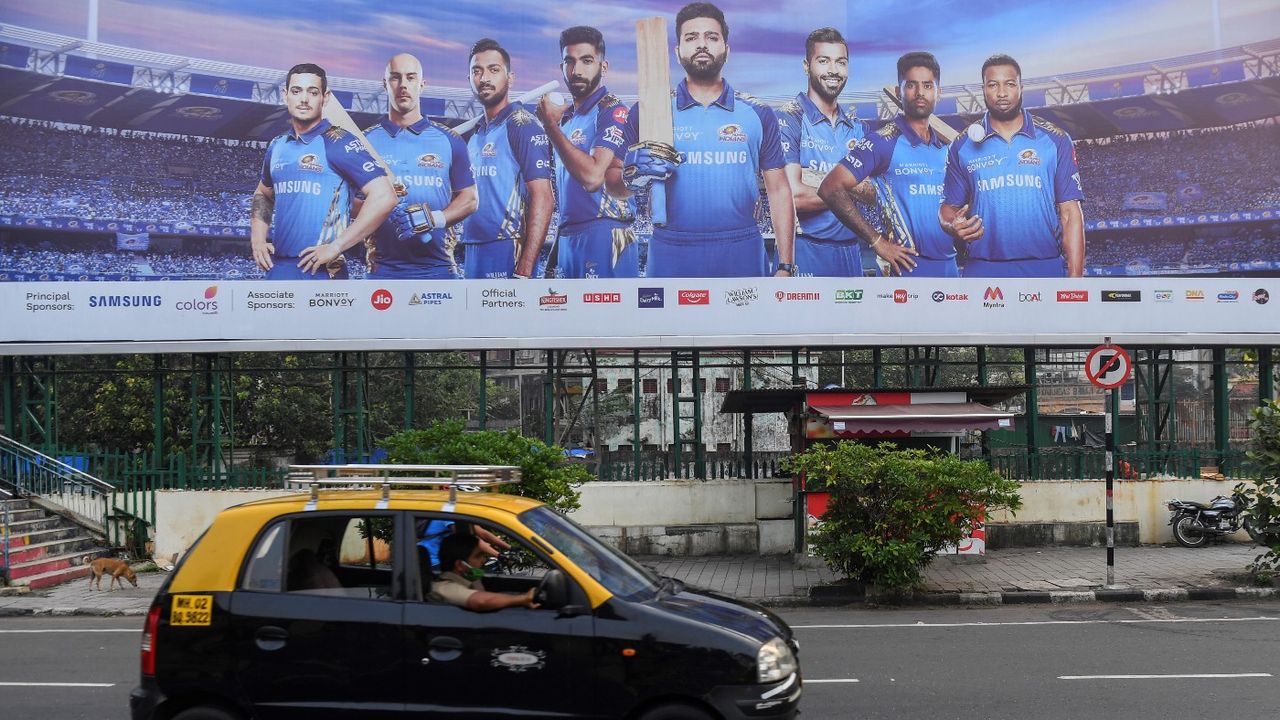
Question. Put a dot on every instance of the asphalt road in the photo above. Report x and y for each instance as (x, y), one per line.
(1079, 661)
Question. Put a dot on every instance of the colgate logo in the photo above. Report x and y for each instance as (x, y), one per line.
(1073, 296)
(695, 297)
(899, 296)
(381, 299)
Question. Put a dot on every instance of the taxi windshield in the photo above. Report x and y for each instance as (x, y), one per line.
(621, 575)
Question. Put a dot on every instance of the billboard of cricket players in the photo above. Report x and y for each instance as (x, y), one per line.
(470, 174)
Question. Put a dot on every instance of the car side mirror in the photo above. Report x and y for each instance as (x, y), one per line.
(553, 591)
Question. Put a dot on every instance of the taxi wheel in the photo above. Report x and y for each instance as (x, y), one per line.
(675, 712)
(205, 713)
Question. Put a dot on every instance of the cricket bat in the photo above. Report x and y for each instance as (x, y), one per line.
(534, 94)
(654, 74)
(337, 115)
(944, 130)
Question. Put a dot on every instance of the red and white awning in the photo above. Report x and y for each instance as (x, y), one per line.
(919, 417)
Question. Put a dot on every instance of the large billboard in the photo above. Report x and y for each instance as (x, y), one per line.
(834, 174)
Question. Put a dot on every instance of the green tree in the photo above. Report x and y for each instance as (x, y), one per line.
(1262, 494)
(891, 510)
(544, 474)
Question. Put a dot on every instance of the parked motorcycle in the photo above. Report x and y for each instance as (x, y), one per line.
(1195, 523)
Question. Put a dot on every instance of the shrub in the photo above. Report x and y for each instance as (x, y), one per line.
(1262, 495)
(891, 510)
(544, 474)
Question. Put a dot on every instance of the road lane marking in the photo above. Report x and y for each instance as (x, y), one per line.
(1164, 677)
(56, 684)
(831, 680)
(71, 630)
(1033, 622)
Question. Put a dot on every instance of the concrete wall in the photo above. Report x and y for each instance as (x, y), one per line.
(181, 515)
(1135, 500)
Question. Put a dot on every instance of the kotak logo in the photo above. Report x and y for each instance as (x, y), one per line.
(939, 296)
(1073, 296)
(599, 297)
(695, 297)
(381, 299)
(899, 296)
(993, 293)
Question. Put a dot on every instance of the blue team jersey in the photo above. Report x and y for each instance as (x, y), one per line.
(810, 140)
(723, 148)
(506, 154)
(431, 161)
(914, 171)
(1015, 187)
(312, 176)
(598, 122)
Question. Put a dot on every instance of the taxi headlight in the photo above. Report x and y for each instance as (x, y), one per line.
(775, 661)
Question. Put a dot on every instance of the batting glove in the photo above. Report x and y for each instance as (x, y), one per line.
(648, 162)
(416, 219)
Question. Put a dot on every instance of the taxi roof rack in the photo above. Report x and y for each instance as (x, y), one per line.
(468, 478)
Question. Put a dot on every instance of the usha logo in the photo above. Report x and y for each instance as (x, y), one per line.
(381, 299)
(208, 305)
(993, 297)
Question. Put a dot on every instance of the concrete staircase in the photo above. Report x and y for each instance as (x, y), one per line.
(44, 548)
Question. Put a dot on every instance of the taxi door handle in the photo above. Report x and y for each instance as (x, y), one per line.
(443, 648)
(270, 637)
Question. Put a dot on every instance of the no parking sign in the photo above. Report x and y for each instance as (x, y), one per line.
(1108, 366)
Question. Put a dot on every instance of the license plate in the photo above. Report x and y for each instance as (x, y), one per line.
(191, 610)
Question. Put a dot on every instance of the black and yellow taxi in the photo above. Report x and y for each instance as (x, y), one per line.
(318, 605)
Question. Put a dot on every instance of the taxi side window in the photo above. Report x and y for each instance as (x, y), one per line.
(266, 561)
(338, 554)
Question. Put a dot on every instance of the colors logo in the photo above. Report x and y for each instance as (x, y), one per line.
(381, 299)
(205, 306)
(695, 297)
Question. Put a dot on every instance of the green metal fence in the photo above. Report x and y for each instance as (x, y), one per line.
(1130, 464)
(717, 467)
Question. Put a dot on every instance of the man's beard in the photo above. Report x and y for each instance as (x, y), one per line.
(710, 71)
(911, 112)
(590, 87)
(829, 94)
(1012, 113)
(494, 99)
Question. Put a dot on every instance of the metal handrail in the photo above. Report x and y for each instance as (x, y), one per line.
(467, 477)
(66, 471)
(55, 482)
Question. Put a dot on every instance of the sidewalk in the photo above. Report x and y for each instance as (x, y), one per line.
(1019, 575)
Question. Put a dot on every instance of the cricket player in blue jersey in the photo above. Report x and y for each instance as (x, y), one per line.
(909, 160)
(816, 133)
(725, 140)
(430, 162)
(511, 161)
(595, 236)
(1012, 189)
(300, 221)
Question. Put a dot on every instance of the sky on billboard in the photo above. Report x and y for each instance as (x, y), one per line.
(353, 38)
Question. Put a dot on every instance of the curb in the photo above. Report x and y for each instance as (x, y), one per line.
(70, 611)
(837, 595)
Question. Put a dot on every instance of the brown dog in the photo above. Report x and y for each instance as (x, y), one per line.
(110, 566)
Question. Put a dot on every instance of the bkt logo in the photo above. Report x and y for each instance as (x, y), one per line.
(848, 296)
(1073, 296)
(993, 293)
(651, 297)
(599, 297)
(381, 299)
(695, 297)
(1029, 297)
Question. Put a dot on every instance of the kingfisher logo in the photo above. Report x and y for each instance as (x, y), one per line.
(695, 297)
(1164, 296)
(381, 299)
(599, 297)
(430, 298)
(208, 305)
(849, 296)
(1229, 296)
(553, 300)
(650, 297)
(993, 297)
(1194, 295)
(1121, 296)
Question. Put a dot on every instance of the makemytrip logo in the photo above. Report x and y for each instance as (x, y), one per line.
(599, 297)
(849, 296)
(993, 297)
(208, 305)
(900, 296)
(783, 296)
(381, 299)
(695, 297)
(1073, 296)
